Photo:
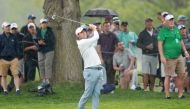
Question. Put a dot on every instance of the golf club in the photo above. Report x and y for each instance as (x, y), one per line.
(54, 17)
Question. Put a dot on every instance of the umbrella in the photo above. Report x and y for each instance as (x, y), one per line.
(100, 12)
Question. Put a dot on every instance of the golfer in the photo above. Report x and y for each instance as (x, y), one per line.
(92, 73)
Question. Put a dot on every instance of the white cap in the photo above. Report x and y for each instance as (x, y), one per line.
(181, 26)
(43, 20)
(31, 24)
(164, 13)
(78, 30)
(169, 16)
(14, 25)
(115, 19)
(5, 24)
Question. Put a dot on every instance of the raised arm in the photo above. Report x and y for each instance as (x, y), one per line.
(90, 41)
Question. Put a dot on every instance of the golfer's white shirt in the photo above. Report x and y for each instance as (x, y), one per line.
(88, 50)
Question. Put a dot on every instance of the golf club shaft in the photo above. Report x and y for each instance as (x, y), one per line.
(54, 17)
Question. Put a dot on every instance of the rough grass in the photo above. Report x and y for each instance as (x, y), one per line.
(67, 97)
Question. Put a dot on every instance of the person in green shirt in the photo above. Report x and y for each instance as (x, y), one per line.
(170, 47)
(129, 38)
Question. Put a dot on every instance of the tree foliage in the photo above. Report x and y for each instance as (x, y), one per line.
(135, 11)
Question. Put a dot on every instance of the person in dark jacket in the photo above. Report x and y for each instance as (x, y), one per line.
(19, 36)
(30, 53)
(31, 19)
(147, 41)
(46, 41)
(9, 57)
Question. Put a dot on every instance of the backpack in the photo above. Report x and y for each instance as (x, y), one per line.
(45, 89)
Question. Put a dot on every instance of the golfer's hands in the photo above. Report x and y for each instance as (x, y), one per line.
(92, 27)
(163, 60)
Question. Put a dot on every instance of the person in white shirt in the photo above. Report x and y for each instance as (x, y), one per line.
(93, 71)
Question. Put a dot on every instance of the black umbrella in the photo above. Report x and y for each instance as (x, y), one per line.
(100, 12)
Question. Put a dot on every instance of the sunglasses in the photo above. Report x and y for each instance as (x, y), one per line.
(14, 29)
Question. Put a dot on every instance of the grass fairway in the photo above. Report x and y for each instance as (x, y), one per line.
(67, 97)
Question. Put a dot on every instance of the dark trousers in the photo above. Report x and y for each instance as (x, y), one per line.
(30, 69)
(108, 62)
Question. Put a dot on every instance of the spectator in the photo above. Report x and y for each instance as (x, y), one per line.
(170, 45)
(123, 61)
(186, 40)
(30, 50)
(108, 19)
(92, 73)
(181, 20)
(98, 27)
(160, 70)
(9, 57)
(161, 18)
(31, 19)
(148, 43)
(46, 41)
(129, 38)
(115, 26)
(106, 48)
(19, 36)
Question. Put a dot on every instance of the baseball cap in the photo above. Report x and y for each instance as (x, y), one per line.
(5, 24)
(182, 17)
(43, 20)
(181, 26)
(124, 23)
(148, 19)
(78, 30)
(164, 14)
(169, 17)
(31, 16)
(14, 25)
(31, 25)
(97, 23)
(115, 19)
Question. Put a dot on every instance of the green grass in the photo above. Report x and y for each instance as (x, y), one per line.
(67, 97)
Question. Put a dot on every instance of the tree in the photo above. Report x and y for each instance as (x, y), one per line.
(68, 62)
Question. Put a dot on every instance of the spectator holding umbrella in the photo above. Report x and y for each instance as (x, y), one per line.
(106, 47)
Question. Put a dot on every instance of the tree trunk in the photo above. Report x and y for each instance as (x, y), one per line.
(68, 63)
